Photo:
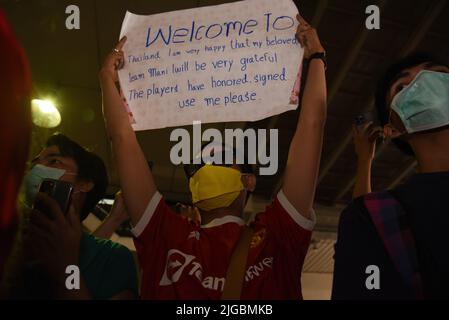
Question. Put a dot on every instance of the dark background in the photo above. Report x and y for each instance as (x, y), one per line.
(65, 64)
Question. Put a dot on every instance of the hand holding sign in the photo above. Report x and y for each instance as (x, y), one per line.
(114, 61)
(308, 38)
(232, 62)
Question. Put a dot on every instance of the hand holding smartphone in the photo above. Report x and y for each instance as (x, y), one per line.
(360, 120)
(61, 191)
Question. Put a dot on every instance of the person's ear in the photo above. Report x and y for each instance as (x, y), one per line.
(85, 186)
(391, 132)
(249, 182)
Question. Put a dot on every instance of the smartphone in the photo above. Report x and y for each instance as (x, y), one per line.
(61, 191)
(360, 120)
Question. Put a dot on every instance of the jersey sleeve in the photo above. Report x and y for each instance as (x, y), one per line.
(158, 229)
(291, 230)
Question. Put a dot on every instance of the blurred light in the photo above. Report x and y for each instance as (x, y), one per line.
(45, 114)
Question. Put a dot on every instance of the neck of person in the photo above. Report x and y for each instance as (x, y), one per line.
(432, 151)
(208, 216)
(78, 203)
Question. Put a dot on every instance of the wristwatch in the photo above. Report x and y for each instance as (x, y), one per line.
(321, 56)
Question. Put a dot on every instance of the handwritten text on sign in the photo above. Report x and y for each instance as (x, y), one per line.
(232, 62)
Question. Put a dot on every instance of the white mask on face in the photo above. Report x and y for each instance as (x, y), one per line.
(34, 178)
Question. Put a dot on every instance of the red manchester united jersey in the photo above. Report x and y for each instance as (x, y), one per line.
(181, 260)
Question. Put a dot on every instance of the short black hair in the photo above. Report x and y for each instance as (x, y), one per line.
(245, 167)
(90, 168)
(385, 83)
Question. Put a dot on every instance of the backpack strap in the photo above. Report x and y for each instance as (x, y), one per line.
(236, 270)
(393, 228)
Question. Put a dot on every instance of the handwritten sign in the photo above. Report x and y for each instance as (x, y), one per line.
(232, 62)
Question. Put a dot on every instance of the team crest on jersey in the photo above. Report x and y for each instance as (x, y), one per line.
(258, 237)
(194, 234)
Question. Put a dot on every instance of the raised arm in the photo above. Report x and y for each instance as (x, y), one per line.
(135, 176)
(114, 219)
(303, 162)
(365, 147)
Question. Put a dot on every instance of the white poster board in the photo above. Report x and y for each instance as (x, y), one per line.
(232, 62)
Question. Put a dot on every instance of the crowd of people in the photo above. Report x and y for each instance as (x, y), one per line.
(207, 250)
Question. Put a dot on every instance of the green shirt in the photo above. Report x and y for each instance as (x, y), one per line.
(108, 268)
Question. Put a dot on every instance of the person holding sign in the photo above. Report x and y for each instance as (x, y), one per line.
(222, 259)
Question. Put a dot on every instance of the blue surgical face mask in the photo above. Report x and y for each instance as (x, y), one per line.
(424, 103)
(34, 178)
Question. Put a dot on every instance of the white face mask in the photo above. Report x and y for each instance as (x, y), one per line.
(34, 178)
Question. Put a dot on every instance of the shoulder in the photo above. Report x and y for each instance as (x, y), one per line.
(281, 214)
(355, 224)
(355, 211)
(356, 220)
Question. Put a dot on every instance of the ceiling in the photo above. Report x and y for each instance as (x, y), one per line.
(65, 65)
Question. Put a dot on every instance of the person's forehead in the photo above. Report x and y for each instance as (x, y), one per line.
(408, 74)
(410, 71)
(49, 151)
(52, 152)
(419, 67)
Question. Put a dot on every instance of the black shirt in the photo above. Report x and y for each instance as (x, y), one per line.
(425, 199)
